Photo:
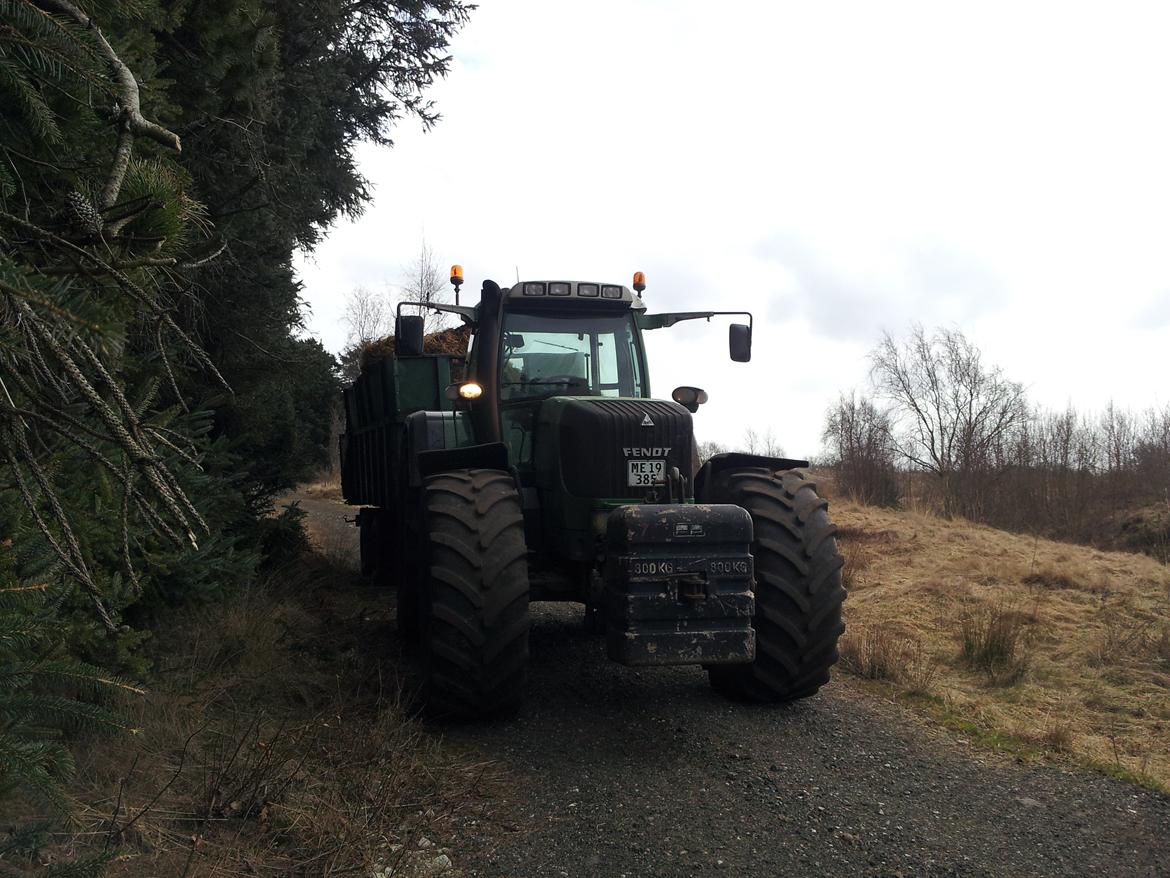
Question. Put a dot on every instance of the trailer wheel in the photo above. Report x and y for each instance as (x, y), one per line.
(473, 603)
(798, 586)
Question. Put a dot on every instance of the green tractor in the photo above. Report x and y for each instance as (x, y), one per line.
(548, 472)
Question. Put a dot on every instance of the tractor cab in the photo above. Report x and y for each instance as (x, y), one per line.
(563, 339)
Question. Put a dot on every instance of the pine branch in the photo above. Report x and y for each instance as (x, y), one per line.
(134, 123)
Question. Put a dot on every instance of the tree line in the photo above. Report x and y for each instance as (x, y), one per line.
(939, 422)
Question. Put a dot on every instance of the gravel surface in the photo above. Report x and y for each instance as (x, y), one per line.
(647, 772)
(619, 772)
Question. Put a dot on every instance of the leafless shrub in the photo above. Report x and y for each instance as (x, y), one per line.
(920, 671)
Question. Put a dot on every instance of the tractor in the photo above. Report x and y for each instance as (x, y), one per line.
(539, 467)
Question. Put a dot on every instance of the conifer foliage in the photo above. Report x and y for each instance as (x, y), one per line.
(159, 165)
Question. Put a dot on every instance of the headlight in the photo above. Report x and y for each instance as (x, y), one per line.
(590, 290)
(467, 390)
(534, 289)
(611, 292)
(559, 289)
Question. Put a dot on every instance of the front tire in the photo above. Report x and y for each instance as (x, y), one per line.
(798, 586)
(473, 604)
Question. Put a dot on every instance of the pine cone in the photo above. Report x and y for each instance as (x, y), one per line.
(83, 214)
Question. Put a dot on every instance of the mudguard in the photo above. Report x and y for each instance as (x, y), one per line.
(490, 455)
(737, 460)
(438, 441)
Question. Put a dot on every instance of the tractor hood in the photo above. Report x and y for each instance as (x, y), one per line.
(599, 447)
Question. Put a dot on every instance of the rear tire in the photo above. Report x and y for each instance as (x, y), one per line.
(473, 604)
(797, 586)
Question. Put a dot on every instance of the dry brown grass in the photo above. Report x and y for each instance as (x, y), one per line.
(272, 744)
(1059, 644)
(327, 487)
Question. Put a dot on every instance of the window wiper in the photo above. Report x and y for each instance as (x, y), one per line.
(553, 344)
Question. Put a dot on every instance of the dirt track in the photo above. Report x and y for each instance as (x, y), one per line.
(616, 772)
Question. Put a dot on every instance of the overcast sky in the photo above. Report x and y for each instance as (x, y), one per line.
(840, 169)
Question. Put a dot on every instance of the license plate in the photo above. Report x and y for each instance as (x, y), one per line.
(643, 473)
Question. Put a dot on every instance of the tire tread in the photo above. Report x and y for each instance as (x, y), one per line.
(476, 626)
(798, 586)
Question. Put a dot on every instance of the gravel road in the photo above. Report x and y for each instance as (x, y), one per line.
(619, 772)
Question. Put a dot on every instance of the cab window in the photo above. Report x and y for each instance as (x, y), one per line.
(569, 355)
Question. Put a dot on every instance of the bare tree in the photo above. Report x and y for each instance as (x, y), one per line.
(707, 450)
(950, 410)
(765, 443)
(859, 438)
(426, 282)
(368, 317)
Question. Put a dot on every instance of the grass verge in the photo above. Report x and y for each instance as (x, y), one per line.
(273, 742)
(1017, 643)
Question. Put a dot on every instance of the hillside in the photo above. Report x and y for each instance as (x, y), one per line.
(1027, 644)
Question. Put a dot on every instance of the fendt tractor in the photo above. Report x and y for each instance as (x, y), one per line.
(540, 468)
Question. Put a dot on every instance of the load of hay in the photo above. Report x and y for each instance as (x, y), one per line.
(452, 342)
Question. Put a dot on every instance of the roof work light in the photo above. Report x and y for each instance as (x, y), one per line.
(457, 280)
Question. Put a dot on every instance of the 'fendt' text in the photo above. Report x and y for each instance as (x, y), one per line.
(647, 452)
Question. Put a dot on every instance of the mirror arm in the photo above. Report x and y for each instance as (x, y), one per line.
(466, 313)
(661, 321)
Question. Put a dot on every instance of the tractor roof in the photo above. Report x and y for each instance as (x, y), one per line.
(577, 293)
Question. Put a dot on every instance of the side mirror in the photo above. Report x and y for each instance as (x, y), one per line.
(690, 398)
(408, 336)
(739, 339)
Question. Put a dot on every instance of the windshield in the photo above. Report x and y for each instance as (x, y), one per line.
(580, 355)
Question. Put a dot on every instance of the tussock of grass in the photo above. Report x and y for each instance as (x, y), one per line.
(878, 653)
(993, 641)
(1058, 736)
(1051, 577)
(1018, 631)
(871, 653)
